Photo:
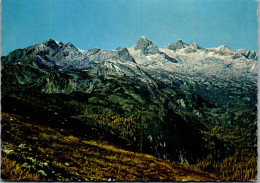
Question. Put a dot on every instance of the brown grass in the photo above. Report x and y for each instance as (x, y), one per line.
(71, 158)
(13, 171)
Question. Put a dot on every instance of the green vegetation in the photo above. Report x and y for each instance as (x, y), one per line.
(240, 163)
(124, 127)
(242, 166)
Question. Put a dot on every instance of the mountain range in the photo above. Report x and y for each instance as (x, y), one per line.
(181, 103)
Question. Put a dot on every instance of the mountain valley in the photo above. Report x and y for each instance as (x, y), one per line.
(183, 105)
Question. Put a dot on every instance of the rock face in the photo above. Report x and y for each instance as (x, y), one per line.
(222, 50)
(124, 56)
(93, 51)
(146, 46)
(51, 44)
(247, 54)
(179, 44)
(194, 46)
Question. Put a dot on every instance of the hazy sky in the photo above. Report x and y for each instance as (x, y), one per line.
(108, 24)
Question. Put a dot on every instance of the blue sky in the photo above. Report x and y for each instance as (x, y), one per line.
(108, 24)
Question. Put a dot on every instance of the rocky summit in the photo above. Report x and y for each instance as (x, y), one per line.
(179, 44)
(146, 46)
(182, 103)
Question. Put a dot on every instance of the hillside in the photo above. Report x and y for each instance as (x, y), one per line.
(32, 151)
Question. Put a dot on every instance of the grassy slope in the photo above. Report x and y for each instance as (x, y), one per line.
(37, 151)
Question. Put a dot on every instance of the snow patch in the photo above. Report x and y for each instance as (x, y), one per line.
(81, 51)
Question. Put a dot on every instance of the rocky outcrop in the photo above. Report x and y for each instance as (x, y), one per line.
(93, 51)
(51, 44)
(223, 50)
(191, 48)
(179, 44)
(124, 56)
(146, 46)
(246, 53)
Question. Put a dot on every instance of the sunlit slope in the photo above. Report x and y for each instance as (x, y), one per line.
(37, 152)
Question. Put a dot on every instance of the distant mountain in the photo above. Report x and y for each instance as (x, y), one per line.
(149, 63)
(146, 46)
(182, 103)
(179, 44)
